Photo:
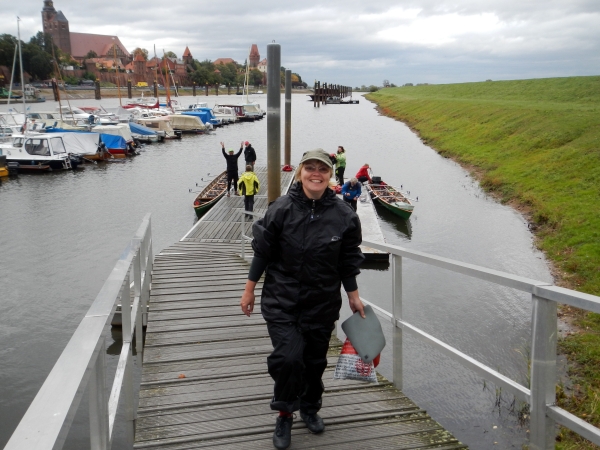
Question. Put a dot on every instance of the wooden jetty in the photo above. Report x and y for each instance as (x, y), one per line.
(205, 382)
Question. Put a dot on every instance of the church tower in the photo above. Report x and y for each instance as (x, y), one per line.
(254, 56)
(56, 24)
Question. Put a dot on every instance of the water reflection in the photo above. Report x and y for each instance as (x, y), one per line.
(402, 226)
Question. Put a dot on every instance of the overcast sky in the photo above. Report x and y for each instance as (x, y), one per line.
(354, 42)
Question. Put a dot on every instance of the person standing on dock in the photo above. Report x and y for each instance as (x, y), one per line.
(248, 187)
(363, 174)
(232, 168)
(340, 165)
(351, 192)
(309, 242)
(249, 154)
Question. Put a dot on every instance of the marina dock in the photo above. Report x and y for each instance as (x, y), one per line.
(205, 382)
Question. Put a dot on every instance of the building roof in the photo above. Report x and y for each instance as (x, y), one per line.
(254, 50)
(82, 43)
(223, 61)
(60, 17)
(139, 57)
(187, 52)
(263, 62)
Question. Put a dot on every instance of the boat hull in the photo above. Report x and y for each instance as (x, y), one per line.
(210, 195)
(405, 214)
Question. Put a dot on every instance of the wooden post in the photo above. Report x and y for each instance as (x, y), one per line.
(217, 89)
(129, 89)
(207, 89)
(315, 95)
(155, 89)
(97, 90)
(55, 89)
(194, 89)
(228, 88)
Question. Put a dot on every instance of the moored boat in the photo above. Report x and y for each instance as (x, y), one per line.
(43, 152)
(391, 198)
(211, 194)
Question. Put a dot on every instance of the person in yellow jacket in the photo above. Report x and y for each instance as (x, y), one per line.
(248, 186)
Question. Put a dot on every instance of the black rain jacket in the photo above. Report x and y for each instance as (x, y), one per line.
(311, 245)
(249, 154)
(232, 160)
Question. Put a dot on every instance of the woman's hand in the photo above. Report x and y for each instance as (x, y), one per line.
(222, 145)
(248, 298)
(355, 303)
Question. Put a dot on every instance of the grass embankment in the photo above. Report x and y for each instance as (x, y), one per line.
(536, 144)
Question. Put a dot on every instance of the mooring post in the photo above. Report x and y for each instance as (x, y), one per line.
(194, 89)
(97, 90)
(217, 89)
(315, 95)
(206, 89)
(318, 94)
(129, 89)
(273, 121)
(228, 88)
(155, 89)
(288, 117)
(55, 89)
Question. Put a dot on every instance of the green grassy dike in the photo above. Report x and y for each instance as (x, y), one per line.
(535, 144)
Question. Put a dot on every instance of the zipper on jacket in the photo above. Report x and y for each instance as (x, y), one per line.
(312, 210)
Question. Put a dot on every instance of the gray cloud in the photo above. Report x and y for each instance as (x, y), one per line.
(356, 42)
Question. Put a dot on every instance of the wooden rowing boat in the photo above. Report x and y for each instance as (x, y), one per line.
(211, 194)
(391, 198)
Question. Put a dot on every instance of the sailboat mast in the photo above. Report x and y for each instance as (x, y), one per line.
(21, 64)
(247, 74)
(156, 75)
(12, 74)
(117, 70)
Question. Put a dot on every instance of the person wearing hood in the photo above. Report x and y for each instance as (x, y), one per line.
(232, 168)
(248, 186)
(249, 154)
(308, 242)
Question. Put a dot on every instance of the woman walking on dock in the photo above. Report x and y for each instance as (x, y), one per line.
(309, 243)
(248, 187)
(340, 164)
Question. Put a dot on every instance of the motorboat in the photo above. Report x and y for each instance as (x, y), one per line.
(225, 113)
(47, 151)
(206, 116)
(160, 125)
(122, 130)
(187, 124)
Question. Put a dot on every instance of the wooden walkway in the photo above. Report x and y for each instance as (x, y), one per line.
(205, 382)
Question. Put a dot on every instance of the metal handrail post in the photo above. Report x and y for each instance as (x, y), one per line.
(137, 285)
(130, 399)
(126, 309)
(99, 428)
(243, 216)
(397, 316)
(543, 373)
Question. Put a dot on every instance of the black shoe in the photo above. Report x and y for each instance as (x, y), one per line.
(282, 438)
(313, 422)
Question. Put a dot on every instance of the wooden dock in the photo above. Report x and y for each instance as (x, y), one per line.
(205, 382)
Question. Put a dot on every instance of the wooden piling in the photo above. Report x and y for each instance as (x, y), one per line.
(97, 90)
(129, 89)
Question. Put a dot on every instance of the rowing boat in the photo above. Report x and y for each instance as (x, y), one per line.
(391, 198)
(211, 194)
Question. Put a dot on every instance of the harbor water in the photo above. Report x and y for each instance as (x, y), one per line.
(62, 232)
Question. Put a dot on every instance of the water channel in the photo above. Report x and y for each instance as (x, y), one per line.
(61, 233)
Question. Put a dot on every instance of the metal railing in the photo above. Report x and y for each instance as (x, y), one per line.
(243, 237)
(541, 396)
(82, 363)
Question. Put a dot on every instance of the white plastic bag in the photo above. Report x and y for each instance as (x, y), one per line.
(351, 367)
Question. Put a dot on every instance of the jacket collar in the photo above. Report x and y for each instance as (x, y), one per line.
(297, 194)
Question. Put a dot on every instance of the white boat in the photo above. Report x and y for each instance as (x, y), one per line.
(187, 124)
(160, 125)
(225, 113)
(121, 129)
(49, 151)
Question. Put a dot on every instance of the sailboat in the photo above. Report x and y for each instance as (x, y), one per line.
(252, 110)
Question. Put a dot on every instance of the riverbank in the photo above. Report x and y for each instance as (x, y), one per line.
(536, 145)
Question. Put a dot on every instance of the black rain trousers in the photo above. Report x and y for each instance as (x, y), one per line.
(297, 364)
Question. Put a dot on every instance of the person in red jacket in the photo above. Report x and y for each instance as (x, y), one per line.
(363, 174)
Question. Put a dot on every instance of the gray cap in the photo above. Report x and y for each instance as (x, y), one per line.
(319, 154)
